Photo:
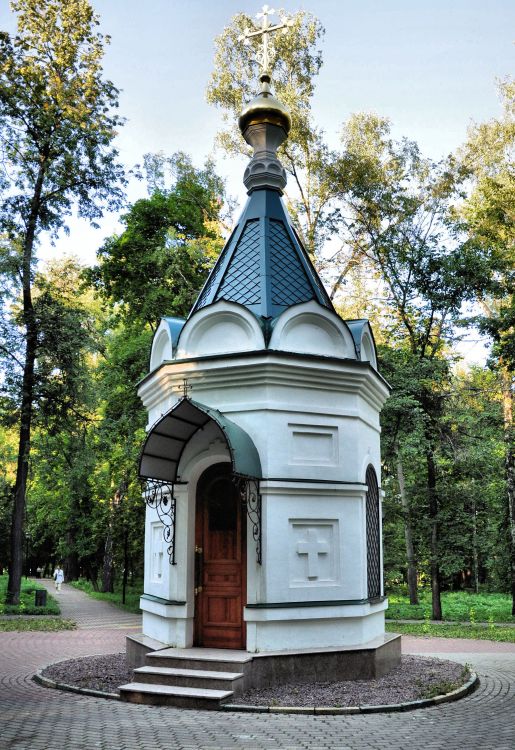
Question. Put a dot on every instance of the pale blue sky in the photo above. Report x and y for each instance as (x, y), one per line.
(429, 66)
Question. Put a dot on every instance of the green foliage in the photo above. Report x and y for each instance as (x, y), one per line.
(26, 605)
(490, 217)
(158, 264)
(46, 624)
(295, 62)
(66, 339)
(84, 491)
(458, 606)
(56, 124)
(396, 214)
(407, 242)
(435, 630)
(442, 688)
(56, 130)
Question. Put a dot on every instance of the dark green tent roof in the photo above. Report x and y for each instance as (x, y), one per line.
(263, 265)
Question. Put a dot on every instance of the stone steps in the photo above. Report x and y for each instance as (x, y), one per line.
(174, 695)
(197, 678)
(188, 678)
(215, 660)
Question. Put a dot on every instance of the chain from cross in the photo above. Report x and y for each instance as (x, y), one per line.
(265, 30)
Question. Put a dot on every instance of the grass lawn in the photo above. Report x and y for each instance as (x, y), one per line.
(446, 630)
(132, 595)
(459, 606)
(26, 606)
(35, 623)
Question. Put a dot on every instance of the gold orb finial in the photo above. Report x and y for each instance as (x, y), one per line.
(265, 108)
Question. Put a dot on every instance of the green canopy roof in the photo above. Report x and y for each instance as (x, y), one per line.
(168, 437)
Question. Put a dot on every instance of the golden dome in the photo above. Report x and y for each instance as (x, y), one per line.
(265, 108)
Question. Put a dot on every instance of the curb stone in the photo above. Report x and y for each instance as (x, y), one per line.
(47, 682)
(464, 690)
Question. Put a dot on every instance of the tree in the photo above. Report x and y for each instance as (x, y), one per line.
(395, 210)
(157, 265)
(388, 211)
(295, 61)
(57, 128)
(65, 400)
(490, 215)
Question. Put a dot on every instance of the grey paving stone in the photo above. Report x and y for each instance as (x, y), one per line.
(38, 718)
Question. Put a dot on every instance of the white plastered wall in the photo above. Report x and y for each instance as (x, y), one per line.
(314, 422)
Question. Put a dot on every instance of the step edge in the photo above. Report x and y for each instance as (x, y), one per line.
(177, 672)
(170, 690)
(187, 657)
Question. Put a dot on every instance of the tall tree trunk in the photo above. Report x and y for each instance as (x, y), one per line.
(108, 565)
(475, 552)
(433, 516)
(509, 464)
(408, 532)
(125, 562)
(27, 397)
(71, 561)
(20, 487)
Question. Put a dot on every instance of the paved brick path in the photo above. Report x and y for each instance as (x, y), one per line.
(88, 612)
(36, 718)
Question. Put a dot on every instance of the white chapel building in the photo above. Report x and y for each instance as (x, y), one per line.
(262, 459)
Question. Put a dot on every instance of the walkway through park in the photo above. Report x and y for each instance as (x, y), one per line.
(38, 718)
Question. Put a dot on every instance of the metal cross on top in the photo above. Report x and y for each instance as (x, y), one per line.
(266, 29)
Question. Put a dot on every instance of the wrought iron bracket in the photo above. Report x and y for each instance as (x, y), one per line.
(159, 495)
(248, 489)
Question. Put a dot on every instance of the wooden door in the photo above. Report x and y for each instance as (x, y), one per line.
(220, 575)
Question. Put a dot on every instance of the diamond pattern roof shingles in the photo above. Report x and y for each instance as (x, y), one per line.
(263, 266)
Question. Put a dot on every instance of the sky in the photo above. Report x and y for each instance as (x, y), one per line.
(430, 66)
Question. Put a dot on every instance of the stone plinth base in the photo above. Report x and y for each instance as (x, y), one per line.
(138, 646)
(365, 661)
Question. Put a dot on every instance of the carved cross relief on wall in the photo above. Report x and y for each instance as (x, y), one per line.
(312, 547)
(314, 552)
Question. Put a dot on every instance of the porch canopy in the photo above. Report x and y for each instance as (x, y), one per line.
(168, 437)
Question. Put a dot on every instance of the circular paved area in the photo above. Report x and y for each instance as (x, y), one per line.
(37, 718)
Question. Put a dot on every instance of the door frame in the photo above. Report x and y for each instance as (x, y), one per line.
(200, 510)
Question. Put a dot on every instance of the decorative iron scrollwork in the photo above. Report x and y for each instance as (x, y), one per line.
(248, 489)
(159, 496)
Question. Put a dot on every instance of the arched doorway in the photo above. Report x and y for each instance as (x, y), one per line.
(220, 561)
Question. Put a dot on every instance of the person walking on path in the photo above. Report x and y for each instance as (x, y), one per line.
(58, 577)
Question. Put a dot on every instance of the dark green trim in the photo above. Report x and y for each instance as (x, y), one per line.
(331, 603)
(304, 481)
(312, 481)
(159, 600)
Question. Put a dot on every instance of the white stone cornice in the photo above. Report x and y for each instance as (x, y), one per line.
(263, 369)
